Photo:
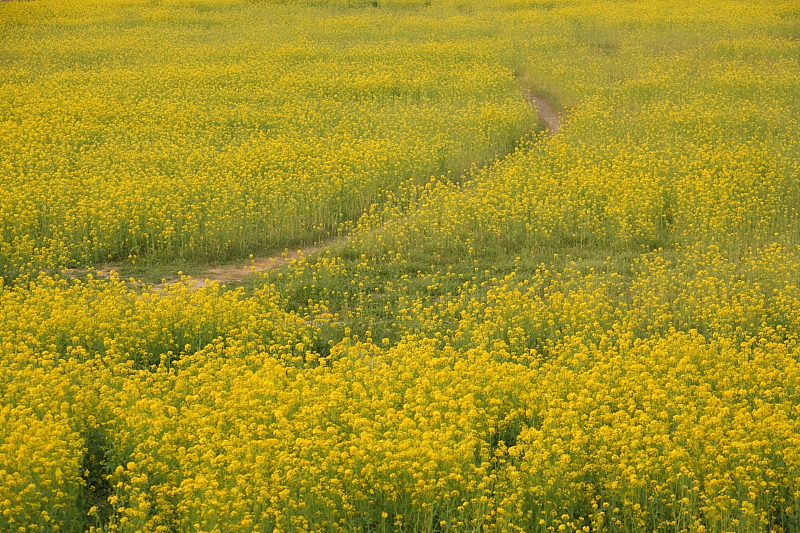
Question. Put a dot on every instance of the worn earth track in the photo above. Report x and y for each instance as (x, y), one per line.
(546, 112)
(238, 271)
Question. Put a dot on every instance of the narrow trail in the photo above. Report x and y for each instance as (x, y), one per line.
(545, 110)
(238, 271)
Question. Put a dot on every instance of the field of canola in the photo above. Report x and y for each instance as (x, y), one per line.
(594, 331)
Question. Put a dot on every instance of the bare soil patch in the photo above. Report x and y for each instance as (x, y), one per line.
(547, 113)
(237, 272)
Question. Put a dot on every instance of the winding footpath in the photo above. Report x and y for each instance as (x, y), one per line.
(547, 113)
(240, 270)
(237, 272)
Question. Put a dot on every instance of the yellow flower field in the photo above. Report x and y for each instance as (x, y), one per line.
(591, 331)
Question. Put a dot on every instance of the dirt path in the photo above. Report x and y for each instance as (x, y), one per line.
(546, 111)
(237, 272)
